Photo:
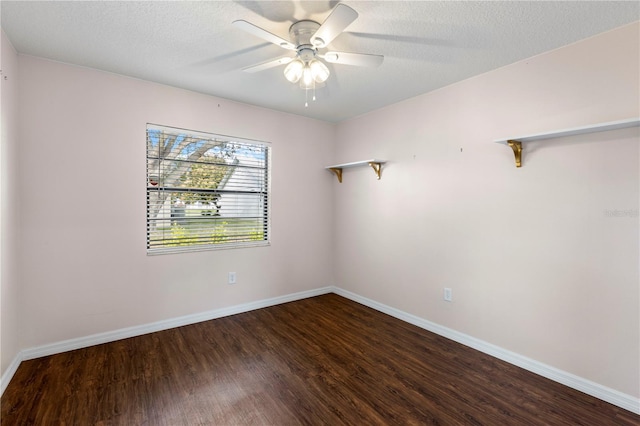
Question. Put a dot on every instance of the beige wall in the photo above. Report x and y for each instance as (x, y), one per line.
(535, 263)
(85, 270)
(9, 344)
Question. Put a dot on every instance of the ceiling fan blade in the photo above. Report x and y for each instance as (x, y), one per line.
(263, 34)
(339, 19)
(269, 64)
(357, 59)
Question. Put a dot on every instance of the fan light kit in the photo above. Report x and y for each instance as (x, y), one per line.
(305, 66)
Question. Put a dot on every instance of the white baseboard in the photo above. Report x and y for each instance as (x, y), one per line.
(124, 333)
(9, 372)
(604, 393)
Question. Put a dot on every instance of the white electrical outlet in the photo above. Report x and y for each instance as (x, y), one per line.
(448, 294)
(232, 278)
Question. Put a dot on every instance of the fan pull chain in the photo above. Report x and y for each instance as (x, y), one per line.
(306, 95)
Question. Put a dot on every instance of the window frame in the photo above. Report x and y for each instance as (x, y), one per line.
(159, 246)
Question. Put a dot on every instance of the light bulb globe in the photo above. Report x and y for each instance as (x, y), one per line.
(307, 77)
(319, 71)
(293, 71)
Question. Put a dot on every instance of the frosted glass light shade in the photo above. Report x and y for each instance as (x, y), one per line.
(293, 71)
(307, 77)
(319, 71)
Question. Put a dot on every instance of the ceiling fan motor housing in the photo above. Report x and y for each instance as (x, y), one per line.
(301, 33)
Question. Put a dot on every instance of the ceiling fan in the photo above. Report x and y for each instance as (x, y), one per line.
(308, 41)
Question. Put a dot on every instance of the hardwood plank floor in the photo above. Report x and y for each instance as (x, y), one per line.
(319, 361)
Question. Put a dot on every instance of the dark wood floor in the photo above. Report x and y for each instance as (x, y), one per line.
(324, 360)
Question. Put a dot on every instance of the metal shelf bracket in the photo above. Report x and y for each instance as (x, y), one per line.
(338, 173)
(517, 151)
(377, 168)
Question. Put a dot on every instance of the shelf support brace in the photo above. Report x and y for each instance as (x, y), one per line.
(377, 168)
(517, 151)
(338, 173)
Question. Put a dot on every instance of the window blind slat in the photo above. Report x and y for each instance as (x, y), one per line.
(205, 191)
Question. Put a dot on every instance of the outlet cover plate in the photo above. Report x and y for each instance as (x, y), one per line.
(448, 294)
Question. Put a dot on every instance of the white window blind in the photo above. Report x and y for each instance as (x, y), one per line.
(205, 191)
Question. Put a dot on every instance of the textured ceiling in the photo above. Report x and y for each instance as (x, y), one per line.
(192, 45)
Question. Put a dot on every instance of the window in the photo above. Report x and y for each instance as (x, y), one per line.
(205, 191)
